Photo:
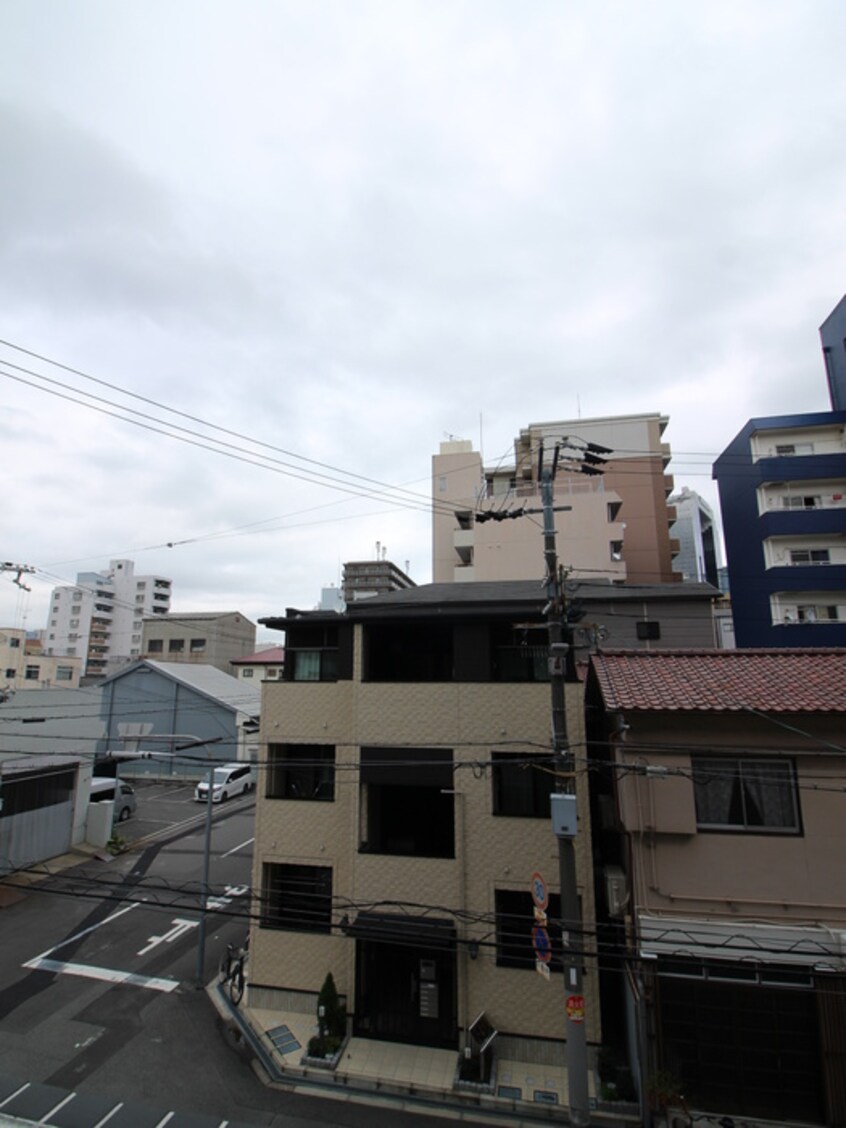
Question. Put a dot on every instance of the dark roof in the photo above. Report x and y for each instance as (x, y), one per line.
(772, 681)
(270, 656)
(500, 596)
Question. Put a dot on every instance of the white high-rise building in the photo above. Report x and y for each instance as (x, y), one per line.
(99, 618)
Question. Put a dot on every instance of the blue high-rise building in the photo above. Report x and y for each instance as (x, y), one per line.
(782, 486)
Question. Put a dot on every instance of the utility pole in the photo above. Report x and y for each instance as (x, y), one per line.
(564, 815)
(586, 459)
(19, 570)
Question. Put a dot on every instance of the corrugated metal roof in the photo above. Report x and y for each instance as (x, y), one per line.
(780, 681)
(211, 682)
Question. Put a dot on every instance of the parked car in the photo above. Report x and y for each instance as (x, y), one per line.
(229, 780)
(123, 794)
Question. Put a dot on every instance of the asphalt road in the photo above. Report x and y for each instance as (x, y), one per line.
(98, 983)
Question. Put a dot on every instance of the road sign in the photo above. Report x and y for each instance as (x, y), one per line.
(540, 894)
(575, 1007)
(541, 944)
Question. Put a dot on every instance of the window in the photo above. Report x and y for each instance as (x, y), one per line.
(648, 629)
(521, 785)
(616, 548)
(809, 556)
(14, 644)
(64, 673)
(139, 598)
(75, 610)
(515, 919)
(32, 673)
(784, 450)
(408, 652)
(614, 508)
(10, 673)
(808, 501)
(407, 802)
(740, 794)
(155, 646)
(247, 672)
(301, 771)
(520, 653)
(816, 613)
(313, 649)
(315, 665)
(74, 622)
(176, 646)
(140, 585)
(197, 645)
(298, 898)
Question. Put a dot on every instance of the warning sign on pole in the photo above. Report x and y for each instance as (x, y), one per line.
(575, 1007)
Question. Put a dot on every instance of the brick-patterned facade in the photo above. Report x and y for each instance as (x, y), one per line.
(491, 852)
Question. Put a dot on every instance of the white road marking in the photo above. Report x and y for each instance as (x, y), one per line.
(180, 927)
(16, 1093)
(104, 974)
(235, 849)
(109, 1115)
(61, 1104)
(85, 931)
(164, 1120)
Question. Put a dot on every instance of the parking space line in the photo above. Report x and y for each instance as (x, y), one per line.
(164, 1120)
(16, 1093)
(61, 1104)
(235, 849)
(109, 1115)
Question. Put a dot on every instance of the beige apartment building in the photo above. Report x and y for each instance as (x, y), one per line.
(403, 811)
(718, 791)
(614, 524)
(23, 664)
(205, 638)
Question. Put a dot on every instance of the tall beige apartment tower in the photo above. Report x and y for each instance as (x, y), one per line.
(614, 525)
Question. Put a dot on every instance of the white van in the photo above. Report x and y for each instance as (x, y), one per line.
(120, 791)
(229, 780)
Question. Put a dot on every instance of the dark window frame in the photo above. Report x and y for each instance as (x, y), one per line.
(758, 794)
(296, 898)
(521, 785)
(648, 629)
(301, 772)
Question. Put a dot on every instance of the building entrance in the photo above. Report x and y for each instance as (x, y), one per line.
(405, 980)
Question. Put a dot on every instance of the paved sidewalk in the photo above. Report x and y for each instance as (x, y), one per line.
(420, 1077)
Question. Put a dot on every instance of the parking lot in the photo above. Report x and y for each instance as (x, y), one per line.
(168, 806)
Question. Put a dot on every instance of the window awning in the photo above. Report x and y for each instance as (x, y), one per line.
(400, 928)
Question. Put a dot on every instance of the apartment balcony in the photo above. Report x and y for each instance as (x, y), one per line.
(669, 484)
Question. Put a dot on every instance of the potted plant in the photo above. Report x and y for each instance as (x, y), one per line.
(331, 1024)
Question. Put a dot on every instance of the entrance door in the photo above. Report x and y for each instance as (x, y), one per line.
(406, 993)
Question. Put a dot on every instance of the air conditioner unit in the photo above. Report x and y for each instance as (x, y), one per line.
(616, 891)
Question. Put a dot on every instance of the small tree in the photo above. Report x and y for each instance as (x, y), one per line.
(334, 1013)
(331, 1021)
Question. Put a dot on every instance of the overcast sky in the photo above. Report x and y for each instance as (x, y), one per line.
(350, 230)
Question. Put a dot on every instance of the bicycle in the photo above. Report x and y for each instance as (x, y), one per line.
(232, 969)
